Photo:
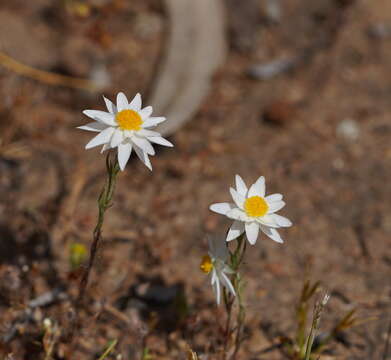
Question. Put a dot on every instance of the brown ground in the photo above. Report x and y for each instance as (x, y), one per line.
(291, 128)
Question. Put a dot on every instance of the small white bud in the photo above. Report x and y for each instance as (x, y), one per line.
(325, 299)
(47, 323)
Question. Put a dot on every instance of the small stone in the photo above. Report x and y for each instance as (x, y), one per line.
(379, 31)
(348, 129)
(273, 10)
(273, 68)
(338, 164)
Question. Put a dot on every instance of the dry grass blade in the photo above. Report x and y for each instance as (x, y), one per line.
(191, 355)
(51, 336)
(307, 292)
(46, 77)
(109, 349)
(318, 310)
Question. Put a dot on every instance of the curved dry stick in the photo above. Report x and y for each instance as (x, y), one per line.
(196, 47)
(45, 76)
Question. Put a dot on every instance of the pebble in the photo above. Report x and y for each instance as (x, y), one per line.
(348, 129)
(380, 31)
(273, 10)
(273, 68)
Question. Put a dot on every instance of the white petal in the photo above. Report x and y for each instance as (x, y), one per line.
(117, 138)
(153, 121)
(275, 206)
(93, 126)
(252, 230)
(268, 220)
(227, 282)
(272, 234)
(228, 270)
(110, 106)
(218, 248)
(217, 287)
(143, 157)
(160, 140)
(101, 116)
(122, 101)
(241, 187)
(102, 138)
(212, 247)
(147, 162)
(221, 208)
(281, 220)
(258, 188)
(238, 214)
(104, 148)
(237, 198)
(135, 104)
(145, 133)
(273, 197)
(143, 144)
(146, 112)
(124, 151)
(213, 277)
(236, 229)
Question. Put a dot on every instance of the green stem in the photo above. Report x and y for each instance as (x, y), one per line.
(104, 202)
(241, 314)
(314, 326)
(228, 302)
(236, 261)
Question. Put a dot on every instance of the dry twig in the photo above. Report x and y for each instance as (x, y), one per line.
(45, 76)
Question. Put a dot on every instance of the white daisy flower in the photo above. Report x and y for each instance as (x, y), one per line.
(215, 263)
(253, 211)
(126, 126)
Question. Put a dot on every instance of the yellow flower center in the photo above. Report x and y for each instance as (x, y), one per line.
(206, 264)
(255, 206)
(129, 120)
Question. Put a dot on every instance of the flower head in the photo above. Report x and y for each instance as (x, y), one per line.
(125, 126)
(215, 264)
(253, 211)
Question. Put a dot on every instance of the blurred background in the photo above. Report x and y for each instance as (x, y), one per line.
(295, 90)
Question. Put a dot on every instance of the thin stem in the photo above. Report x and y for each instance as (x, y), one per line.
(315, 325)
(307, 292)
(236, 261)
(49, 352)
(104, 202)
(243, 252)
(310, 342)
(241, 315)
(238, 287)
(228, 301)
